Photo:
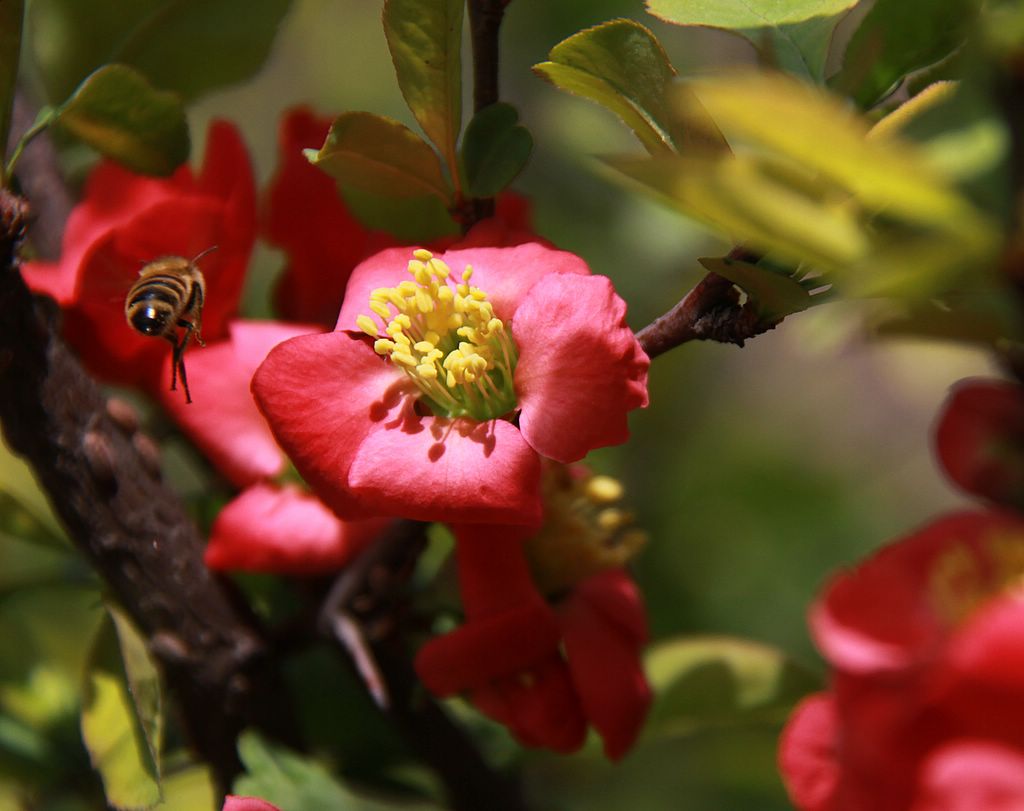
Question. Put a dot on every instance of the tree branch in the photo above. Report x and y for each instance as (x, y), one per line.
(710, 312)
(364, 613)
(485, 18)
(103, 479)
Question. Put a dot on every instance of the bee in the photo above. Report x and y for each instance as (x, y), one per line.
(168, 296)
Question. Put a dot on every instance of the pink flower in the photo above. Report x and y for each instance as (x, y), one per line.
(305, 216)
(126, 220)
(543, 365)
(980, 439)
(926, 706)
(545, 672)
(268, 528)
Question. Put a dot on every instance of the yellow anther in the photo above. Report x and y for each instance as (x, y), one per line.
(424, 303)
(447, 338)
(367, 325)
(604, 490)
(612, 518)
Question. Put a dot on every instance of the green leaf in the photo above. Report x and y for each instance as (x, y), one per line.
(703, 680)
(817, 132)
(18, 482)
(898, 37)
(189, 46)
(622, 66)
(425, 38)
(748, 201)
(495, 148)
(118, 113)
(12, 13)
(121, 719)
(795, 34)
(291, 781)
(375, 154)
(408, 219)
(192, 789)
(774, 294)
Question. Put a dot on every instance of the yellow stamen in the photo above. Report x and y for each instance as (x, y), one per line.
(447, 338)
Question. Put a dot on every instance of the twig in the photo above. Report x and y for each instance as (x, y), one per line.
(485, 18)
(366, 605)
(710, 312)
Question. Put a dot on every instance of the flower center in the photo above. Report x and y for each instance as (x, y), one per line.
(585, 529)
(962, 580)
(447, 339)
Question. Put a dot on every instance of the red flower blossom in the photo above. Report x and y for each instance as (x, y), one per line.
(267, 528)
(925, 640)
(980, 439)
(542, 364)
(508, 656)
(304, 215)
(126, 220)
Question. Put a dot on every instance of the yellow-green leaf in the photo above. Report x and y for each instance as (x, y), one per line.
(699, 680)
(621, 66)
(425, 38)
(121, 115)
(121, 723)
(380, 156)
(750, 202)
(192, 789)
(794, 34)
(774, 294)
(817, 131)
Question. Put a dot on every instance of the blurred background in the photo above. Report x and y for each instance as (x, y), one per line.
(756, 472)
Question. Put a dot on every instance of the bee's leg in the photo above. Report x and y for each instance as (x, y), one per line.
(178, 359)
(197, 311)
(174, 361)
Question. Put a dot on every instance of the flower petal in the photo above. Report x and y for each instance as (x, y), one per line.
(283, 530)
(892, 611)
(504, 274)
(223, 419)
(306, 217)
(487, 649)
(972, 775)
(235, 803)
(433, 469)
(980, 439)
(493, 574)
(807, 754)
(539, 708)
(604, 660)
(580, 369)
(322, 395)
